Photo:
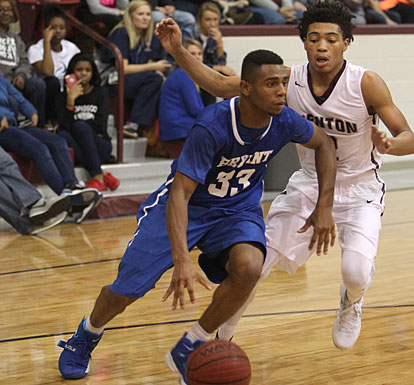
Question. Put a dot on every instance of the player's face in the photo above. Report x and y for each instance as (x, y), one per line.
(324, 45)
(141, 17)
(83, 70)
(267, 92)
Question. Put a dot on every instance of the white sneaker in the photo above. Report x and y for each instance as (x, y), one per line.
(347, 325)
(47, 209)
(49, 223)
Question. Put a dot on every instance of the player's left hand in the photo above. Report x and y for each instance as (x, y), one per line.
(381, 141)
(323, 229)
(184, 275)
(169, 33)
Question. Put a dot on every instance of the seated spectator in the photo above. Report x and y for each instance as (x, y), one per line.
(188, 5)
(49, 151)
(239, 12)
(51, 55)
(368, 11)
(143, 64)
(82, 112)
(180, 104)
(22, 206)
(404, 8)
(280, 12)
(108, 12)
(14, 65)
(375, 15)
(208, 33)
(166, 8)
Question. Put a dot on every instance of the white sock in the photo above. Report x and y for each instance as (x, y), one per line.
(90, 328)
(197, 333)
(226, 332)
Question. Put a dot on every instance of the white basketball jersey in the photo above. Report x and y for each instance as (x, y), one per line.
(343, 116)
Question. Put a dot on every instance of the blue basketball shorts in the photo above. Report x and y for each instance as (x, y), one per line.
(213, 230)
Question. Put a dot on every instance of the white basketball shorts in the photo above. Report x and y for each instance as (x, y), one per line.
(357, 209)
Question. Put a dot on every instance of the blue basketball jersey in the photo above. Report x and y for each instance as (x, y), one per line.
(230, 170)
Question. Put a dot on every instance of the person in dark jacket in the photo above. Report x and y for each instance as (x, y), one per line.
(82, 112)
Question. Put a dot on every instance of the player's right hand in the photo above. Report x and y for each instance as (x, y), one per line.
(323, 229)
(182, 278)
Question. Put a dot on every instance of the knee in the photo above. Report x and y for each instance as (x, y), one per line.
(36, 85)
(356, 270)
(247, 270)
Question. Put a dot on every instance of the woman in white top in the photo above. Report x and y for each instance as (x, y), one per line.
(51, 55)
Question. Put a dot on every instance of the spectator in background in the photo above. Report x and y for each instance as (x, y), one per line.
(49, 151)
(109, 12)
(278, 12)
(405, 8)
(82, 112)
(208, 33)
(239, 12)
(143, 64)
(369, 12)
(51, 55)
(166, 8)
(22, 206)
(180, 104)
(14, 65)
(188, 5)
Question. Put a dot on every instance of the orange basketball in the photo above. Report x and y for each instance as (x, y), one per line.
(218, 363)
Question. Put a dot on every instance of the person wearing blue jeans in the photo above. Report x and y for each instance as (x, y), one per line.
(166, 8)
(90, 148)
(50, 152)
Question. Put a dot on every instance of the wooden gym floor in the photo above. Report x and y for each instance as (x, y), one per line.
(49, 282)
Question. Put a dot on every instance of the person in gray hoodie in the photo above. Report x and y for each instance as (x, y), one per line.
(14, 65)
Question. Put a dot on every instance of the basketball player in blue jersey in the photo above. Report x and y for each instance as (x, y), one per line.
(343, 100)
(212, 200)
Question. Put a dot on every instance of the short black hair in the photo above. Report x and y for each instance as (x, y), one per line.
(253, 60)
(328, 11)
(95, 79)
(52, 10)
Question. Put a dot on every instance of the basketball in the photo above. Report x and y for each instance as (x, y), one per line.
(218, 363)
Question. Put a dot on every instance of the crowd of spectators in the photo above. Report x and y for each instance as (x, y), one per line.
(52, 97)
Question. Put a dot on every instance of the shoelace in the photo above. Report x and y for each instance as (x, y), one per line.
(349, 317)
(83, 347)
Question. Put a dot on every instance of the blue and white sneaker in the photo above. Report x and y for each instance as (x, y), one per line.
(74, 360)
(83, 201)
(177, 358)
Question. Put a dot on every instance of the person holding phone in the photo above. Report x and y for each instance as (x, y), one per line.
(82, 112)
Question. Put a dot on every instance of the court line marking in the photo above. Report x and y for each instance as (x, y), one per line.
(194, 320)
(119, 258)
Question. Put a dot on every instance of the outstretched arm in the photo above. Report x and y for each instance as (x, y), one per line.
(378, 100)
(321, 218)
(215, 83)
(177, 221)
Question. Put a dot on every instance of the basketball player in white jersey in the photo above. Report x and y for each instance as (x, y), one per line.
(344, 100)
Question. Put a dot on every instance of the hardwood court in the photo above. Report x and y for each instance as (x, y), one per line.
(49, 282)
